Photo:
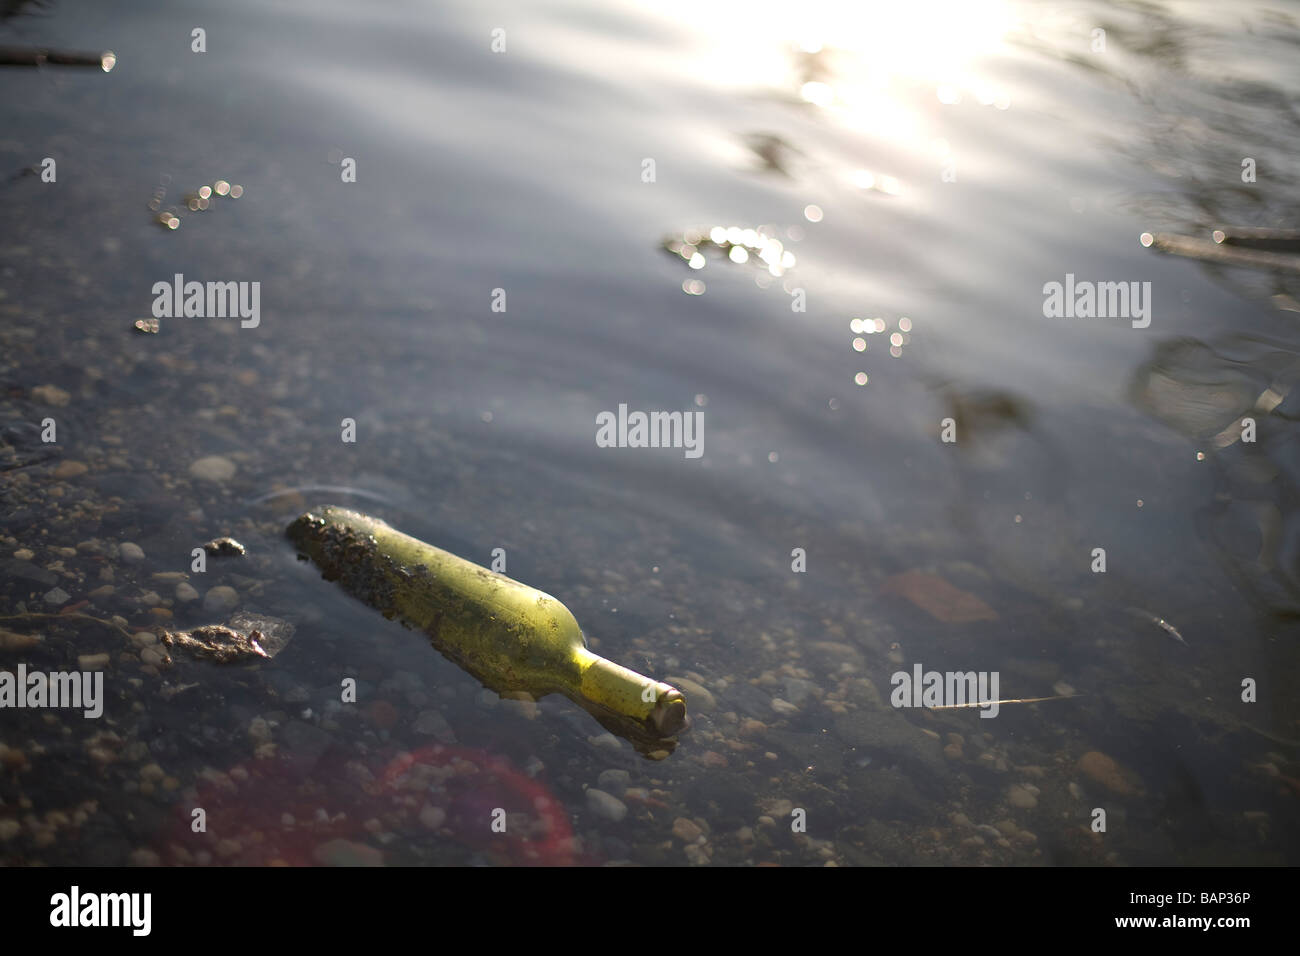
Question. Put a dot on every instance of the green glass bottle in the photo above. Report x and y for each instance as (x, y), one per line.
(516, 639)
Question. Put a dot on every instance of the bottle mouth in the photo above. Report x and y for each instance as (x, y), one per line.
(669, 714)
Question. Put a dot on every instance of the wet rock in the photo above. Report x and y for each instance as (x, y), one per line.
(69, 469)
(1021, 797)
(92, 662)
(614, 781)
(1106, 773)
(938, 598)
(433, 724)
(220, 599)
(130, 553)
(185, 592)
(888, 734)
(51, 395)
(224, 548)
(26, 571)
(686, 831)
(606, 805)
(797, 690)
(784, 707)
(698, 698)
(433, 817)
(347, 853)
(57, 596)
(213, 468)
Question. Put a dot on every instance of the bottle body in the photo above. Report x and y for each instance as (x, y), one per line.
(514, 638)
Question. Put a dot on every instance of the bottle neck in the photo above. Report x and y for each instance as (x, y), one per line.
(624, 693)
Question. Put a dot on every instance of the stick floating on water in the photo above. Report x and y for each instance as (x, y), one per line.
(1219, 253)
(1018, 700)
(1262, 237)
(40, 56)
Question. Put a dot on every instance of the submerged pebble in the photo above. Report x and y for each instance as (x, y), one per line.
(606, 805)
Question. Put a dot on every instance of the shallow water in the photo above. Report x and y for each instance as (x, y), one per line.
(523, 171)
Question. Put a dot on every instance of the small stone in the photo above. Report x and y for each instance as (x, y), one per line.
(711, 758)
(153, 772)
(155, 657)
(9, 828)
(614, 781)
(92, 662)
(215, 469)
(144, 638)
(1105, 772)
(224, 547)
(605, 742)
(70, 469)
(798, 690)
(606, 805)
(1021, 797)
(698, 697)
(185, 592)
(145, 857)
(57, 596)
(130, 553)
(751, 727)
(697, 855)
(24, 554)
(381, 715)
(220, 599)
(952, 751)
(431, 723)
(433, 817)
(784, 707)
(347, 853)
(686, 831)
(51, 395)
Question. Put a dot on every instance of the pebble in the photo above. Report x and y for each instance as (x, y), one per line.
(24, 554)
(185, 592)
(382, 715)
(784, 707)
(57, 596)
(70, 469)
(51, 395)
(347, 853)
(1105, 772)
(952, 751)
(686, 831)
(220, 599)
(798, 690)
(697, 855)
(154, 656)
(433, 817)
(433, 724)
(130, 553)
(145, 857)
(614, 781)
(144, 638)
(751, 727)
(213, 468)
(698, 697)
(605, 742)
(606, 805)
(92, 662)
(1021, 797)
